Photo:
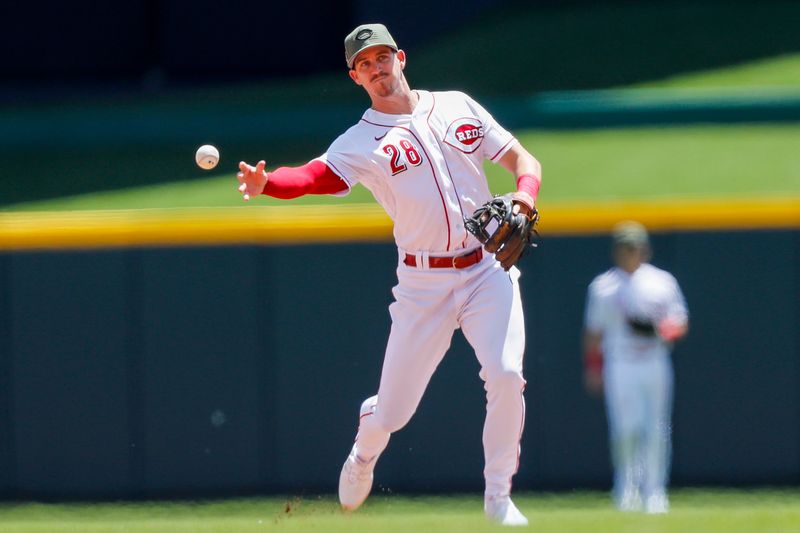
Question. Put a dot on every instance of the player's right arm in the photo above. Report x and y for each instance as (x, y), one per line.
(593, 327)
(314, 177)
(593, 362)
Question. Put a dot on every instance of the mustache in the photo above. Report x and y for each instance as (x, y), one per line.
(378, 77)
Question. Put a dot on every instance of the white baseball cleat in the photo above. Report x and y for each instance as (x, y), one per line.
(355, 481)
(630, 501)
(501, 509)
(657, 503)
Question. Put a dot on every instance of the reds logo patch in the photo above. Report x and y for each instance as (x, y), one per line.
(466, 134)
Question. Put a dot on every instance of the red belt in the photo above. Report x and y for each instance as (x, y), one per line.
(458, 261)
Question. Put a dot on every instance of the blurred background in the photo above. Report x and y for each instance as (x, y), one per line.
(157, 339)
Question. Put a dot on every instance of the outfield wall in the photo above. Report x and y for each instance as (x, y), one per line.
(148, 370)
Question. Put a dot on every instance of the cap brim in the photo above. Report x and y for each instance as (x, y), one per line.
(353, 59)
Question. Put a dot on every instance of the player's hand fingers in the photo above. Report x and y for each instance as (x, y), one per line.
(260, 167)
(240, 177)
(519, 207)
(244, 167)
(244, 191)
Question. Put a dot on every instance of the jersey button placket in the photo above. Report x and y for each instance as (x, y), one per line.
(452, 204)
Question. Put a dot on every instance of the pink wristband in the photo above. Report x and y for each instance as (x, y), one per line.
(530, 184)
(527, 189)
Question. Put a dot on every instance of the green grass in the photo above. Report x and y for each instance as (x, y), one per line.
(707, 511)
(631, 163)
(685, 162)
(777, 72)
(694, 161)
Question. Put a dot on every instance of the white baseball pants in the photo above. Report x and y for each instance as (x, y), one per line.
(639, 404)
(430, 304)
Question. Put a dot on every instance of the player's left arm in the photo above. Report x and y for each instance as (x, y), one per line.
(671, 329)
(528, 172)
(675, 325)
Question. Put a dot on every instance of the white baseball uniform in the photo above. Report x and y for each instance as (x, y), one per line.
(637, 374)
(426, 170)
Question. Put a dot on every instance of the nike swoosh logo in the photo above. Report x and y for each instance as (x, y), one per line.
(381, 137)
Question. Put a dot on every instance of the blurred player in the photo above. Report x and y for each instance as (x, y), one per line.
(421, 155)
(634, 313)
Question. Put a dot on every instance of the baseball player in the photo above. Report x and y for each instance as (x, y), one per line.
(634, 314)
(421, 155)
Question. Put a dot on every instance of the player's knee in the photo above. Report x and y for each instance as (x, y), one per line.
(368, 406)
(392, 418)
(625, 429)
(386, 418)
(367, 414)
(394, 421)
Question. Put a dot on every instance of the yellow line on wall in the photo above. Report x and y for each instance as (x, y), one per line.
(673, 215)
(367, 222)
(153, 227)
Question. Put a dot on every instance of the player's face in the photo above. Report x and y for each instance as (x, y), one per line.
(629, 258)
(379, 70)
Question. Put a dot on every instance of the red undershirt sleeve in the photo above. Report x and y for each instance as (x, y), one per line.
(314, 177)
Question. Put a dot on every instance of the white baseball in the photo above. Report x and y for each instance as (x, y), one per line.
(207, 157)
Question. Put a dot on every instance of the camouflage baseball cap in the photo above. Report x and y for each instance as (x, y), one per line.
(366, 36)
(630, 233)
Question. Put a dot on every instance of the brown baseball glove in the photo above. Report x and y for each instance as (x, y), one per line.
(513, 235)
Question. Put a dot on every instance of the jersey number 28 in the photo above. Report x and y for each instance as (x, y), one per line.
(396, 158)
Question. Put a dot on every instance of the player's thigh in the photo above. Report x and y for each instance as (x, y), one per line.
(423, 318)
(418, 340)
(493, 323)
(423, 323)
(625, 405)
